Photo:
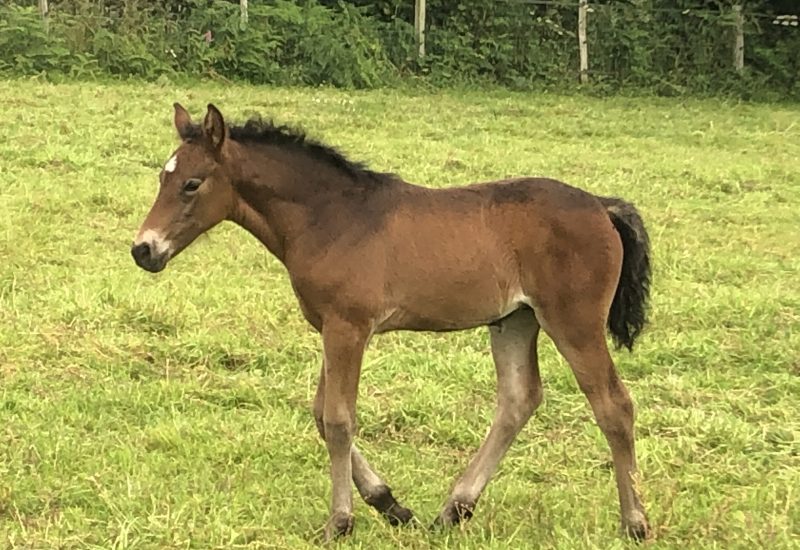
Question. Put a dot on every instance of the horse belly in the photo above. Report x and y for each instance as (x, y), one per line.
(441, 295)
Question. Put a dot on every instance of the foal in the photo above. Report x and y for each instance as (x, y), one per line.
(369, 253)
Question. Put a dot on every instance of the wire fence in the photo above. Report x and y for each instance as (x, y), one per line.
(585, 42)
(649, 9)
(737, 15)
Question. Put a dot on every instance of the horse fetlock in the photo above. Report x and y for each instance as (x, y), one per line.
(383, 501)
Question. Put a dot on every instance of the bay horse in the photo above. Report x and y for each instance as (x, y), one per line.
(369, 253)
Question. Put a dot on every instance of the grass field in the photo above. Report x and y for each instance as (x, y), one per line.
(173, 411)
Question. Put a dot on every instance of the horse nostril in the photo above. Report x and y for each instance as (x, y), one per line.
(141, 252)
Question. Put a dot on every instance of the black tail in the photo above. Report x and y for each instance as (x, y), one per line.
(628, 313)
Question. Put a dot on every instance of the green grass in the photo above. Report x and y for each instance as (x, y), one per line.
(173, 411)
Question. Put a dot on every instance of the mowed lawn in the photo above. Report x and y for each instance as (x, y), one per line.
(173, 410)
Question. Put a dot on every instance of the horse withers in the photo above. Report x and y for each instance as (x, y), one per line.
(368, 253)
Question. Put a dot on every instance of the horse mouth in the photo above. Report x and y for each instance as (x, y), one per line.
(153, 267)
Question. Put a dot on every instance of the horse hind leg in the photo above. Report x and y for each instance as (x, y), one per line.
(372, 488)
(519, 393)
(580, 338)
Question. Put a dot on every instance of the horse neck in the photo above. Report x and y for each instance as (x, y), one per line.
(278, 192)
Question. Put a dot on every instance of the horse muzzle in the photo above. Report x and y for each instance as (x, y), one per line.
(148, 257)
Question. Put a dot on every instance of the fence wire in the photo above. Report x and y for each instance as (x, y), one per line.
(631, 7)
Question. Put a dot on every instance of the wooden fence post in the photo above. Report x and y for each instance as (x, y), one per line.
(738, 47)
(44, 9)
(419, 26)
(583, 8)
(243, 13)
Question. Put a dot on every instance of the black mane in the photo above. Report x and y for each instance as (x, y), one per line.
(266, 132)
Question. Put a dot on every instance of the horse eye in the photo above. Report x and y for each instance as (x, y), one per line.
(191, 185)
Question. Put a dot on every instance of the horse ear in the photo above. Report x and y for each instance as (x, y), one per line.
(183, 122)
(214, 127)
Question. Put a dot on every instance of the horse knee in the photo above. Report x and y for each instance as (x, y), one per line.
(338, 433)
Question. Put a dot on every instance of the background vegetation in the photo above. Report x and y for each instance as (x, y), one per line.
(659, 46)
(173, 411)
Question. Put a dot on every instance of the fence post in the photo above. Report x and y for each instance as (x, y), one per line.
(243, 13)
(738, 47)
(44, 9)
(419, 26)
(583, 8)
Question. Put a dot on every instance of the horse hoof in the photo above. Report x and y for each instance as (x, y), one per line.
(398, 515)
(636, 527)
(339, 525)
(453, 514)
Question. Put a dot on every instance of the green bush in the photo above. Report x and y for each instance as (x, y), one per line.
(636, 44)
(284, 42)
(27, 47)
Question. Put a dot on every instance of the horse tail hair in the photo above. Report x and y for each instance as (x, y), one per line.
(628, 314)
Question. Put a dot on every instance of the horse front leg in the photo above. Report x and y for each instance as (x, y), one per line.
(372, 488)
(343, 345)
